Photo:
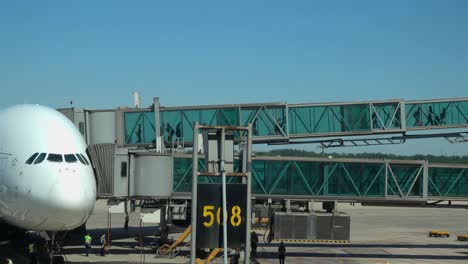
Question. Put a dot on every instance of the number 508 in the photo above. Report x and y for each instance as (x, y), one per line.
(209, 213)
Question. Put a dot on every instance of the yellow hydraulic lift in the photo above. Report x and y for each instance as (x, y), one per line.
(166, 249)
(439, 233)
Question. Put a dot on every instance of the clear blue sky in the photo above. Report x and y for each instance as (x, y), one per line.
(214, 52)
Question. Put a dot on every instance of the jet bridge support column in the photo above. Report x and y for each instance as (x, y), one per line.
(310, 206)
(157, 126)
(287, 205)
(425, 184)
(162, 224)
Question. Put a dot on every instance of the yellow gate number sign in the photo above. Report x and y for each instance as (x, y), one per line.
(209, 217)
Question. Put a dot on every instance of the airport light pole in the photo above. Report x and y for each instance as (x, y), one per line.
(224, 205)
(193, 245)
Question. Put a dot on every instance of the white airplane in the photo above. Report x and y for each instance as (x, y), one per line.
(46, 179)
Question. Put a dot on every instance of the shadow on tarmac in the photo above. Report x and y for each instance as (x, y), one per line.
(365, 245)
(267, 255)
(15, 254)
(127, 241)
(149, 234)
(123, 242)
(272, 255)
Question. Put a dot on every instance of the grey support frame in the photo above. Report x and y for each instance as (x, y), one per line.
(245, 145)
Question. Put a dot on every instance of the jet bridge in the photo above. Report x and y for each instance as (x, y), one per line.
(150, 175)
(277, 122)
(121, 138)
(282, 122)
(344, 179)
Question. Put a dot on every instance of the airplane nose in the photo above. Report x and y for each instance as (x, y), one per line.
(70, 202)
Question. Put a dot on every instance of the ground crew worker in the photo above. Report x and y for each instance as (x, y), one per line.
(103, 244)
(281, 253)
(87, 240)
(32, 253)
(253, 244)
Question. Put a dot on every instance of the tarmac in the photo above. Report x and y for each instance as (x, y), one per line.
(378, 235)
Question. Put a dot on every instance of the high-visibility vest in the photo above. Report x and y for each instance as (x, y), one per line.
(87, 239)
(31, 248)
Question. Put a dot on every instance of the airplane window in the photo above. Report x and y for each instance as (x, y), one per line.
(40, 158)
(31, 159)
(70, 158)
(55, 157)
(84, 157)
(81, 159)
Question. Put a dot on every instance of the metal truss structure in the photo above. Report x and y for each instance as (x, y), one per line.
(344, 179)
(282, 122)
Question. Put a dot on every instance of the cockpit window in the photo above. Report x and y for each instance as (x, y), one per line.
(84, 158)
(31, 159)
(40, 158)
(55, 157)
(70, 158)
(81, 159)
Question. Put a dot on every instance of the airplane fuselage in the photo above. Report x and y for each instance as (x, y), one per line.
(46, 180)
